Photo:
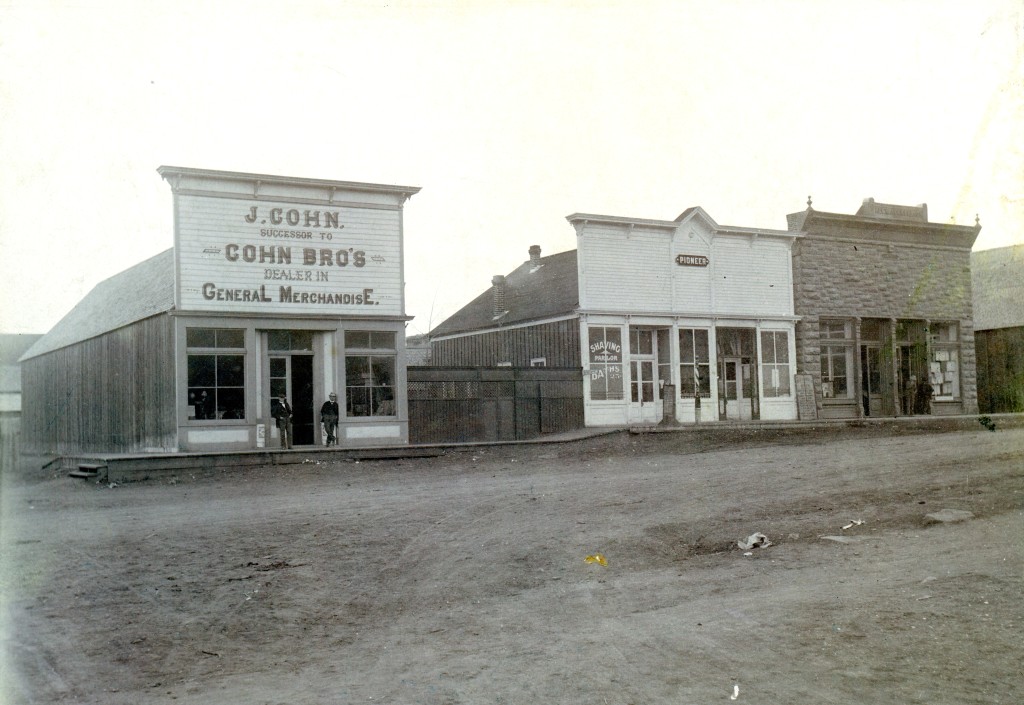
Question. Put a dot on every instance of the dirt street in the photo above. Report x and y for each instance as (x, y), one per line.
(463, 579)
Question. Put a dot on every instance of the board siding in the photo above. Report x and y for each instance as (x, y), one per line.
(113, 393)
(638, 272)
(207, 225)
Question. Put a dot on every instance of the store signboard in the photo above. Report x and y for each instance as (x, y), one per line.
(692, 260)
(266, 257)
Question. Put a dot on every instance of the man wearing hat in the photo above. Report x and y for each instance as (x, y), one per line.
(283, 413)
(329, 418)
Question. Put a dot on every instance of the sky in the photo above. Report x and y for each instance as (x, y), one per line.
(509, 116)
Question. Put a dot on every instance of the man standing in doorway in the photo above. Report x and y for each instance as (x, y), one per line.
(329, 418)
(283, 413)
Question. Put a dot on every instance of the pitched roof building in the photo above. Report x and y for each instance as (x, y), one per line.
(276, 287)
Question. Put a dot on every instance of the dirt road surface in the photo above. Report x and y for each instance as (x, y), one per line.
(463, 579)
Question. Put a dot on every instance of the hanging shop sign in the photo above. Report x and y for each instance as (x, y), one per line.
(692, 260)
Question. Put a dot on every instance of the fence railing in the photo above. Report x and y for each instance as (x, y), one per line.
(461, 404)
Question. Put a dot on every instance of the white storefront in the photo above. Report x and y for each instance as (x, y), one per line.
(287, 286)
(686, 318)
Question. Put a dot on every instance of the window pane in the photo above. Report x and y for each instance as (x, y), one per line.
(767, 347)
(872, 329)
(382, 340)
(278, 387)
(615, 381)
(278, 367)
(781, 346)
(838, 362)
(686, 353)
(202, 403)
(200, 337)
(301, 339)
(231, 338)
(231, 403)
(383, 371)
(700, 346)
(783, 380)
(357, 371)
(357, 401)
(278, 340)
(202, 370)
(646, 342)
(687, 382)
(614, 337)
(230, 370)
(598, 384)
(357, 339)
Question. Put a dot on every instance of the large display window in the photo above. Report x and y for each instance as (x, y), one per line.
(216, 373)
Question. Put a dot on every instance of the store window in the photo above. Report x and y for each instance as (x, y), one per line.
(605, 360)
(694, 364)
(836, 341)
(370, 373)
(216, 373)
(775, 363)
(944, 366)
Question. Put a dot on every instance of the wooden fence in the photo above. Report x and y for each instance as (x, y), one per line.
(461, 404)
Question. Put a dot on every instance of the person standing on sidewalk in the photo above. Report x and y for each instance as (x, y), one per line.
(283, 414)
(329, 418)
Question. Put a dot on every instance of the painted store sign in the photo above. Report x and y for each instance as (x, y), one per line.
(275, 257)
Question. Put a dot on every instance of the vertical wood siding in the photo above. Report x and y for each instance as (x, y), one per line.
(1000, 370)
(558, 343)
(492, 404)
(113, 393)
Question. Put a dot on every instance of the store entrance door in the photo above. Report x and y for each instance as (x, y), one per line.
(292, 375)
(645, 398)
(737, 379)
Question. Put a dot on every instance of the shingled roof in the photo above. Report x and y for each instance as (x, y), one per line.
(997, 284)
(136, 293)
(531, 294)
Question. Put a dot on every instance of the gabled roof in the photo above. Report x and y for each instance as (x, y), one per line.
(12, 347)
(692, 214)
(531, 294)
(997, 284)
(136, 293)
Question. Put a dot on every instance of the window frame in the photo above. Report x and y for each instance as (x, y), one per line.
(949, 349)
(769, 391)
(702, 389)
(379, 344)
(609, 370)
(221, 352)
(829, 348)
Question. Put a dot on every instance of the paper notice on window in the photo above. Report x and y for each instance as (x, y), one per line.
(775, 377)
(935, 367)
(951, 365)
(942, 355)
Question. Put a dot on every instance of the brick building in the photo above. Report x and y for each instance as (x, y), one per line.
(885, 308)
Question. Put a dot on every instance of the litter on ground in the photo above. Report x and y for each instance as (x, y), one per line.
(596, 558)
(757, 540)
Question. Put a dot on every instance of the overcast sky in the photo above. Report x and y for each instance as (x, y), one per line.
(508, 115)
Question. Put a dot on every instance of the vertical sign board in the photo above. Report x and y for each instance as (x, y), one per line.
(807, 407)
(265, 257)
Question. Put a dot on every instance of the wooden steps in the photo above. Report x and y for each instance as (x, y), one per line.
(88, 470)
